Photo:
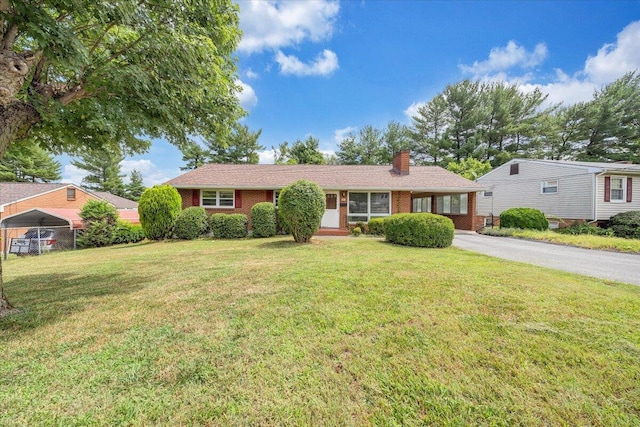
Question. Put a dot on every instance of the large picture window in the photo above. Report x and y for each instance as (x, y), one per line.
(366, 205)
(421, 204)
(217, 198)
(453, 204)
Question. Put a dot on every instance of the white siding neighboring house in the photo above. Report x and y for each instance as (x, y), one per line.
(582, 191)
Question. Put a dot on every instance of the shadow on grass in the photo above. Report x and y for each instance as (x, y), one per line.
(44, 298)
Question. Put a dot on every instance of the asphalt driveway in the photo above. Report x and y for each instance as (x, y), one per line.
(606, 265)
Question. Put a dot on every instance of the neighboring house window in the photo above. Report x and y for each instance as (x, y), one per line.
(217, 198)
(276, 194)
(617, 188)
(421, 204)
(549, 187)
(71, 194)
(455, 204)
(366, 205)
(554, 225)
(514, 169)
(488, 194)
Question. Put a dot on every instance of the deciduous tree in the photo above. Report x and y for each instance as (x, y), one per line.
(82, 74)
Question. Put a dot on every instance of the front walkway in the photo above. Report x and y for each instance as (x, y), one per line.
(605, 265)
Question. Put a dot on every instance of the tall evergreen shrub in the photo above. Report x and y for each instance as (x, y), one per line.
(301, 206)
(159, 207)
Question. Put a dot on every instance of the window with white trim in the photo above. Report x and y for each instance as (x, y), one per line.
(618, 188)
(276, 194)
(487, 193)
(549, 187)
(366, 205)
(421, 204)
(217, 198)
(454, 204)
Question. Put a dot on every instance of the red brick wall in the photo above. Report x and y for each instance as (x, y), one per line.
(247, 199)
(53, 199)
(469, 221)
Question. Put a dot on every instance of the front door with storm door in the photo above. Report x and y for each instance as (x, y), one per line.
(331, 217)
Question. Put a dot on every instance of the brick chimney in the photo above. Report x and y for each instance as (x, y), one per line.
(401, 162)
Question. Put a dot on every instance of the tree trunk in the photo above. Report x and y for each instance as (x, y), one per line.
(16, 119)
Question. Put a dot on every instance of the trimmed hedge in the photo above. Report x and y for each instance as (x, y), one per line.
(425, 230)
(301, 206)
(127, 233)
(626, 224)
(159, 207)
(191, 223)
(228, 226)
(376, 226)
(263, 220)
(524, 218)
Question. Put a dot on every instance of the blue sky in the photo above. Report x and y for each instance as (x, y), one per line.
(325, 68)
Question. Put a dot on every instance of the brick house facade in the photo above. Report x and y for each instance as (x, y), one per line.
(354, 192)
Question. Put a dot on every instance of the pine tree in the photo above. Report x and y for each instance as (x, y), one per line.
(104, 171)
(135, 187)
(29, 163)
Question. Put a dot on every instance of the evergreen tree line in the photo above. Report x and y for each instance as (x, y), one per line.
(470, 127)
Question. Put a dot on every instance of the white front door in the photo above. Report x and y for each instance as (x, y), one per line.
(331, 217)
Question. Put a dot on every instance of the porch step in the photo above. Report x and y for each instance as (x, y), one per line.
(332, 232)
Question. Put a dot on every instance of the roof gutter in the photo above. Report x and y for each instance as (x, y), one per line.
(336, 187)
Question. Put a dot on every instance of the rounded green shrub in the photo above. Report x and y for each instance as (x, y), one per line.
(419, 229)
(626, 224)
(228, 226)
(127, 233)
(301, 206)
(524, 218)
(159, 207)
(100, 220)
(356, 231)
(191, 223)
(376, 226)
(263, 220)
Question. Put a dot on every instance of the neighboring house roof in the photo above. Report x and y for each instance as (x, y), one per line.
(11, 192)
(589, 167)
(117, 201)
(335, 177)
(51, 217)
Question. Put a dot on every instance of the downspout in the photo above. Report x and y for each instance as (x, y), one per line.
(595, 197)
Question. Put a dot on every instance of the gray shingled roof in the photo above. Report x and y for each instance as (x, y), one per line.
(329, 177)
(13, 191)
(117, 201)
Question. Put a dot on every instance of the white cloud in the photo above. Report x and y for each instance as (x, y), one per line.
(324, 64)
(276, 24)
(615, 59)
(251, 74)
(508, 57)
(266, 157)
(247, 96)
(412, 110)
(611, 62)
(340, 134)
(151, 174)
(73, 174)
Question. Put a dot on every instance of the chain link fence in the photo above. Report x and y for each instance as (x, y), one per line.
(37, 240)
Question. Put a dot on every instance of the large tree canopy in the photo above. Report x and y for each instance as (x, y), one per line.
(88, 73)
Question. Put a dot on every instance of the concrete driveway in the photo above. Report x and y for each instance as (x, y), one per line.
(606, 265)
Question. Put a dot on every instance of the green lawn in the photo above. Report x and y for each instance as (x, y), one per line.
(349, 331)
(607, 243)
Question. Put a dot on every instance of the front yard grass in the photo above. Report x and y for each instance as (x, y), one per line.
(582, 240)
(337, 332)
